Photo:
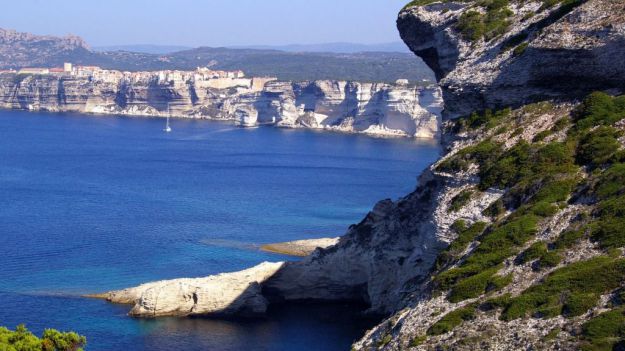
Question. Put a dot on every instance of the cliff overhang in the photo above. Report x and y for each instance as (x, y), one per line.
(559, 52)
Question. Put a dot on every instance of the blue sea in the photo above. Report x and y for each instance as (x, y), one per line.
(95, 203)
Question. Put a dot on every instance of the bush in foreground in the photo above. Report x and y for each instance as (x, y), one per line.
(52, 340)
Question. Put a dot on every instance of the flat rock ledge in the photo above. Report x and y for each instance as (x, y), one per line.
(228, 294)
(300, 248)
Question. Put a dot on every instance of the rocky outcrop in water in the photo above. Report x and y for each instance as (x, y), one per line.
(228, 294)
(369, 108)
(544, 53)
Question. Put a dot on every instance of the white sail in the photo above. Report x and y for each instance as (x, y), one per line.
(167, 127)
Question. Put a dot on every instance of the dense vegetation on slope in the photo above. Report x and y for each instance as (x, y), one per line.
(52, 340)
(586, 164)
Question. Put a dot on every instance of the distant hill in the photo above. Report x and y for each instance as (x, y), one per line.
(19, 49)
(367, 66)
(26, 50)
(339, 47)
(143, 48)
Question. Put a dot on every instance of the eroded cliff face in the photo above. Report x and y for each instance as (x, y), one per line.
(369, 108)
(557, 52)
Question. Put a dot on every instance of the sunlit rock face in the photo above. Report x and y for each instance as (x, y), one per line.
(370, 108)
(227, 294)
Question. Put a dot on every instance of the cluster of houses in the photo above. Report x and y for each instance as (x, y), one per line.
(68, 69)
(203, 77)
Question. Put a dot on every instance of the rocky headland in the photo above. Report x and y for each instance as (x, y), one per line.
(370, 108)
(514, 239)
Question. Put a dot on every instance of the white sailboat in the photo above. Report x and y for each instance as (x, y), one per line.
(167, 127)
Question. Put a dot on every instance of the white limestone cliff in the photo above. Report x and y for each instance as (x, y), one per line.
(369, 108)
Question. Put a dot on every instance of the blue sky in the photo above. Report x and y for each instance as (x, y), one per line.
(207, 22)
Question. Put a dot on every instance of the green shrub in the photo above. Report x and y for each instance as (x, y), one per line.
(553, 333)
(541, 136)
(520, 49)
(508, 169)
(472, 286)
(460, 200)
(453, 164)
(52, 340)
(511, 234)
(427, 2)
(538, 108)
(386, 338)
(618, 157)
(579, 303)
(549, 260)
(569, 238)
(592, 277)
(496, 302)
(471, 25)
(598, 147)
(554, 158)
(555, 191)
(560, 124)
(488, 118)
(474, 274)
(474, 25)
(495, 210)
(600, 109)
(459, 226)
(610, 232)
(418, 340)
(534, 252)
(611, 182)
(524, 162)
(465, 237)
(544, 209)
(604, 331)
(452, 320)
(481, 153)
(498, 282)
(612, 207)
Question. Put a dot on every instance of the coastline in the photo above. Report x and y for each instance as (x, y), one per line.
(233, 122)
(377, 109)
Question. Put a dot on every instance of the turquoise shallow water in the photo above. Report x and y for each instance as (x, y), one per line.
(89, 204)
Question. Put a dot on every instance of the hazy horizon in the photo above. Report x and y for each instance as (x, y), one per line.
(215, 23)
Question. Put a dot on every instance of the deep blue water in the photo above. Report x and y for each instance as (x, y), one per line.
(90, 204)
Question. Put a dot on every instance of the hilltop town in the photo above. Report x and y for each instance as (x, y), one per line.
(216, 79)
